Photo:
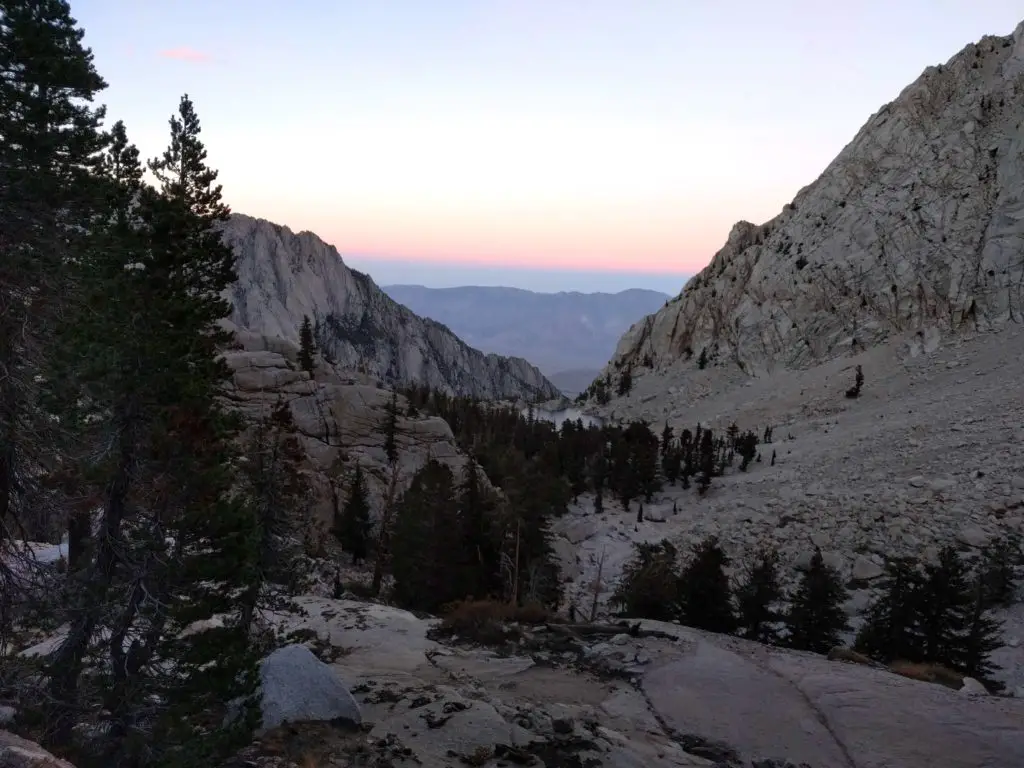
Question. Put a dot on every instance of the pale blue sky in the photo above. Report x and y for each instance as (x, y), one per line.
(577, 136)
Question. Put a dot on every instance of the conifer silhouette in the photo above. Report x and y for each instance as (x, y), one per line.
(815, 617)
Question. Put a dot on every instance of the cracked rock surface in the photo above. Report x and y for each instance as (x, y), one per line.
(688, 699)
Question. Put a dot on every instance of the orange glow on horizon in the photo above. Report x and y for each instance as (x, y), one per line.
(511, 261)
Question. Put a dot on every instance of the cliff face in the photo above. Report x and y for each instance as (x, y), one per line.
(916, 227)
(283, 276)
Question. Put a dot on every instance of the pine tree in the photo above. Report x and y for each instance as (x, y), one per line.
(625, 382)
(649, 585)
(1000, 562)
(50, 146)
(479, 545)
(944, 607)
(705, 597)
(983, 634)
(105, 357)
(757, 597)
(815, 617)
(534, 497)
(281, 495)
(705, 461)
(352, 523)
(426, 573)
(666, 440)
(746, 446)
(215, 553)
(307, 346)
(890, 627)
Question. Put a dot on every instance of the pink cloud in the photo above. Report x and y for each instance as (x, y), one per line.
(184, 53)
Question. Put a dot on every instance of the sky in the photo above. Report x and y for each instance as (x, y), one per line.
(547, 144)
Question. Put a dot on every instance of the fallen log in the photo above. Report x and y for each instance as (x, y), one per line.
(578, 631)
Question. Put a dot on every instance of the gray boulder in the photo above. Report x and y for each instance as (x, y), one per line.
(16, 752)
(297, 687)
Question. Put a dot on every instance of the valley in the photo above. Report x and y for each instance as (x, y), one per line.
(257, 511)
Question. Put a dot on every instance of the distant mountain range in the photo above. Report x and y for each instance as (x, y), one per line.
(569, 336)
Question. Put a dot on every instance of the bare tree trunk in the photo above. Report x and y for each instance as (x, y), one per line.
(515, 568)
(597, 583)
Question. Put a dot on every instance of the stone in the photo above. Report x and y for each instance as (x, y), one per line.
(296, 686)
(335, 418)
(284, 276)
(972, 687)
(865, 569)
(973, 536)
(16, 752)
(789, 291)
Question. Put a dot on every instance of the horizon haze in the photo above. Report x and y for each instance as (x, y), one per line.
(550, 146)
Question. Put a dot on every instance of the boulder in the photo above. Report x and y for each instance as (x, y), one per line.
(865, 569)
(298, 687)
(16, 752)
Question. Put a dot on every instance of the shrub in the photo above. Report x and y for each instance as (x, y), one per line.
(928, 673)
(486, 621)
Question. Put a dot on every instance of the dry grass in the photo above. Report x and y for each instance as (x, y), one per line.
(839, 653)
(928, 673)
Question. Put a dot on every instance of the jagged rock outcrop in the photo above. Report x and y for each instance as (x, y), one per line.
(283, 276)
(341, 421)
(917, 227)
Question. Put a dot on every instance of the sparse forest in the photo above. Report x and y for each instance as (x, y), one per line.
(537, 471)
(937, 613)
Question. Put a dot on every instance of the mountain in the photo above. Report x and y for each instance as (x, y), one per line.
(557, 332)
(283, 276)
(916, 228)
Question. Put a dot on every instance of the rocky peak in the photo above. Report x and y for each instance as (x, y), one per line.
(283, 276)
(916, 228)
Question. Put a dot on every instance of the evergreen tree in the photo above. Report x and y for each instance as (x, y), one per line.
(535, 496)
(890, 629)
(192, 445)
(746, 446)
(815, 617)
(945, 608)
(426, 573)
(705, 460)
(307, 346)
(352, 523)
(982, 636)
(625, 382)
(50, 142)
(281, 495)
(1000, 562)
(705, 597)
(666, 440)
(479, 545)
(649, 587)
(757, 596)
